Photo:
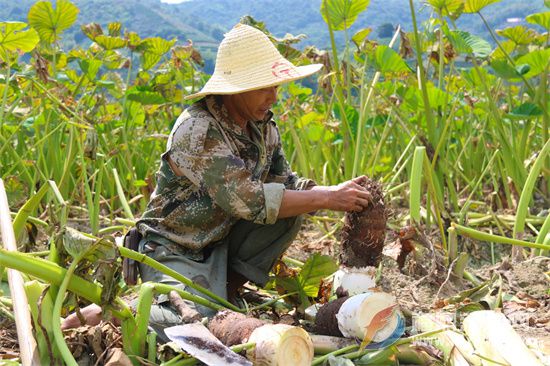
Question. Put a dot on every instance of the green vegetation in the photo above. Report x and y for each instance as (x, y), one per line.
(205, 22)
(455, 118)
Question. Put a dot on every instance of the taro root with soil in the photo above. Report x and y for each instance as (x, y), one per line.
(364, 232)
(362, 243)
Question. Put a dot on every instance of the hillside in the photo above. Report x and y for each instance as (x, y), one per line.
(205, 21)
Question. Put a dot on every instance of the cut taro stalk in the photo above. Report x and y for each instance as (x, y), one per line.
(362, 243)
(276, 344)
(280, 345)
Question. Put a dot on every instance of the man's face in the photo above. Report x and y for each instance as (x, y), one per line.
(253, 105)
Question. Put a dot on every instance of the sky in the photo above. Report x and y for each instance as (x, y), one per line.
(173, 1)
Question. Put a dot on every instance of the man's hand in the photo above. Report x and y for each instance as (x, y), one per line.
(347, 196)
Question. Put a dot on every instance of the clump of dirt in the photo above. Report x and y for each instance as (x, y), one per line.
(364, 232)
(325, 321)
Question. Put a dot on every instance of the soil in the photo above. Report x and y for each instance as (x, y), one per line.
(527, 305)
(420, 287)
(9, 346)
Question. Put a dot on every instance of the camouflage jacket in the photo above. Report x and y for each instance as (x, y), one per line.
(228, 175)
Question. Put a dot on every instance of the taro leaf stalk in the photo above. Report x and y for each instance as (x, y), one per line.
(78, 246)
(56, 275)
(527, 192)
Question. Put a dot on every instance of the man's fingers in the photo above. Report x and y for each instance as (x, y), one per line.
(365, 195)
(363, 202)
(360, 179)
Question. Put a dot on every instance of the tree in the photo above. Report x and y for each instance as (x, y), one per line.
(385, 30)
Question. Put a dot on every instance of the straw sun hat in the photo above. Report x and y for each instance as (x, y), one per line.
(247, 60)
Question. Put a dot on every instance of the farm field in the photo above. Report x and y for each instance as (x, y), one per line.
(451, 128)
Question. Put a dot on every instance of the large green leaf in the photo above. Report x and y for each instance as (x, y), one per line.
(506, 48)
(386, 59)
(90, 67)
(360, 36)
(308, 280)
(526, 111)
(152, 50)
(50, 23)
(505, 70)
(27, 209)
(314, 270)
(437, 97)
(110, 42)
(341, 14)
(465, 42)
(473, 6)
(447, 7)
(13, 38)
(537, 61)
(144, 95)
(542, 19)
(520, 35)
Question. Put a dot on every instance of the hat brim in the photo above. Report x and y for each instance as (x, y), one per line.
(221, 86)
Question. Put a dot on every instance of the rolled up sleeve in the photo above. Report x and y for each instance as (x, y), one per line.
(273, 193)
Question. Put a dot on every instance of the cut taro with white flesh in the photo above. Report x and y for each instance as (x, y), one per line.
(280, 345)
(351, 316)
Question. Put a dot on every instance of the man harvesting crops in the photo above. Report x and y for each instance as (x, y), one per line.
(226, 204)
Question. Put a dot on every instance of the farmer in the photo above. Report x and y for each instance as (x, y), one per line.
(226, 204)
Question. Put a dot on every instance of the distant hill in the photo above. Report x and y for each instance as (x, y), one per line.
(205, 21)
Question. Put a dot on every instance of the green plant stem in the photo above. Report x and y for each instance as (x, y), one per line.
(480, 235)
(56, 317)
(5, 96)
(122, 197)
(422, 77)
(54, 274)
(152, 347)
(416, 183)
(26, 210)
(165, 289)
(272, 301)
(527, 192)
(143, 310)
(178, 361)
(364, 109)
(320, 360)
(142, 258)
(543, 233)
